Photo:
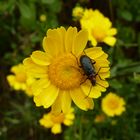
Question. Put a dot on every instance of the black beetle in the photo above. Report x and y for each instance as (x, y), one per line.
(88, 68)
(87, 64)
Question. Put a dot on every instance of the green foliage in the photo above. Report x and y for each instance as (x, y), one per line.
(21, 32)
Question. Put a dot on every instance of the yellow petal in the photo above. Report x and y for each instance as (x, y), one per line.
(105, 75)
(112, 31)
(51, 46)
(70, 116)
(91, 91)
(40, 85)
(110, 41)
(58, 35)
(103, 56)
(47, 97)
(46, 121)
(70, 35)
(80, 99)
(102, 82)
(40, 58)
(68, 122)
(56, 129)
(56, 107)
(101, 66)
(80, 42)
(93, 41)
(94, 52)
(65, 101)
(62, 33)
(34, 69)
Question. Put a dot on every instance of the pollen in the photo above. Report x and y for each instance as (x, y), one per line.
(65, 73)
(113, 104)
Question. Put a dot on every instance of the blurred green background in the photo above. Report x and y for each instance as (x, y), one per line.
(22, 31)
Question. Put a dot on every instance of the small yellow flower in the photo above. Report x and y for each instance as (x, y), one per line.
(113, 105)
(77, 12)
(99, 27)
(99, 118)
(60, 79)
(43, 18)
(19, 80)
(54, 122)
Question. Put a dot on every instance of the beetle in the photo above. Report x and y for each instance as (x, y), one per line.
(87, 64)
(88, 68)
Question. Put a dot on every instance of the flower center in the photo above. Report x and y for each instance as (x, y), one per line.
(99, 34)
(64, 72)
(58, 119)
(113, 104)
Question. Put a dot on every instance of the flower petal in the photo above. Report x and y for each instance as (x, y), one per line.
(58, 35)
(47, 97)
(110, 40)
(91, 91)
(39, 85)
(93, 41)
(68, 122)
(94, 52)
(62, 33)
(65, 101)
(112, 31)
(105, 75)
(103, 56)
(34, 69)
(102, 82)
(51, 46)
(56, 129)
(81, 100)
(56, 107)
(80, 42)
(70, 35)
(40, 58)
(46, 121)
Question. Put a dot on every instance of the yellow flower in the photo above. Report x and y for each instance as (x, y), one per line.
(43, 18)
(113, 105)
(54, 122)
(99, 27)
(19, 80)
(60, 79)
(77, 12)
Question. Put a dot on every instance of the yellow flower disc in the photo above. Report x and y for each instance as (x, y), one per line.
(64, 72)
(58, 118)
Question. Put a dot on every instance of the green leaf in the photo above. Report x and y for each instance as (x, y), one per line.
(28, 15)
(126, 15)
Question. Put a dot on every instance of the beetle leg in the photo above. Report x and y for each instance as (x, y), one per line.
(83, 81)
(93, 61)
(98, 73)
(100, 69)
(76, 60)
